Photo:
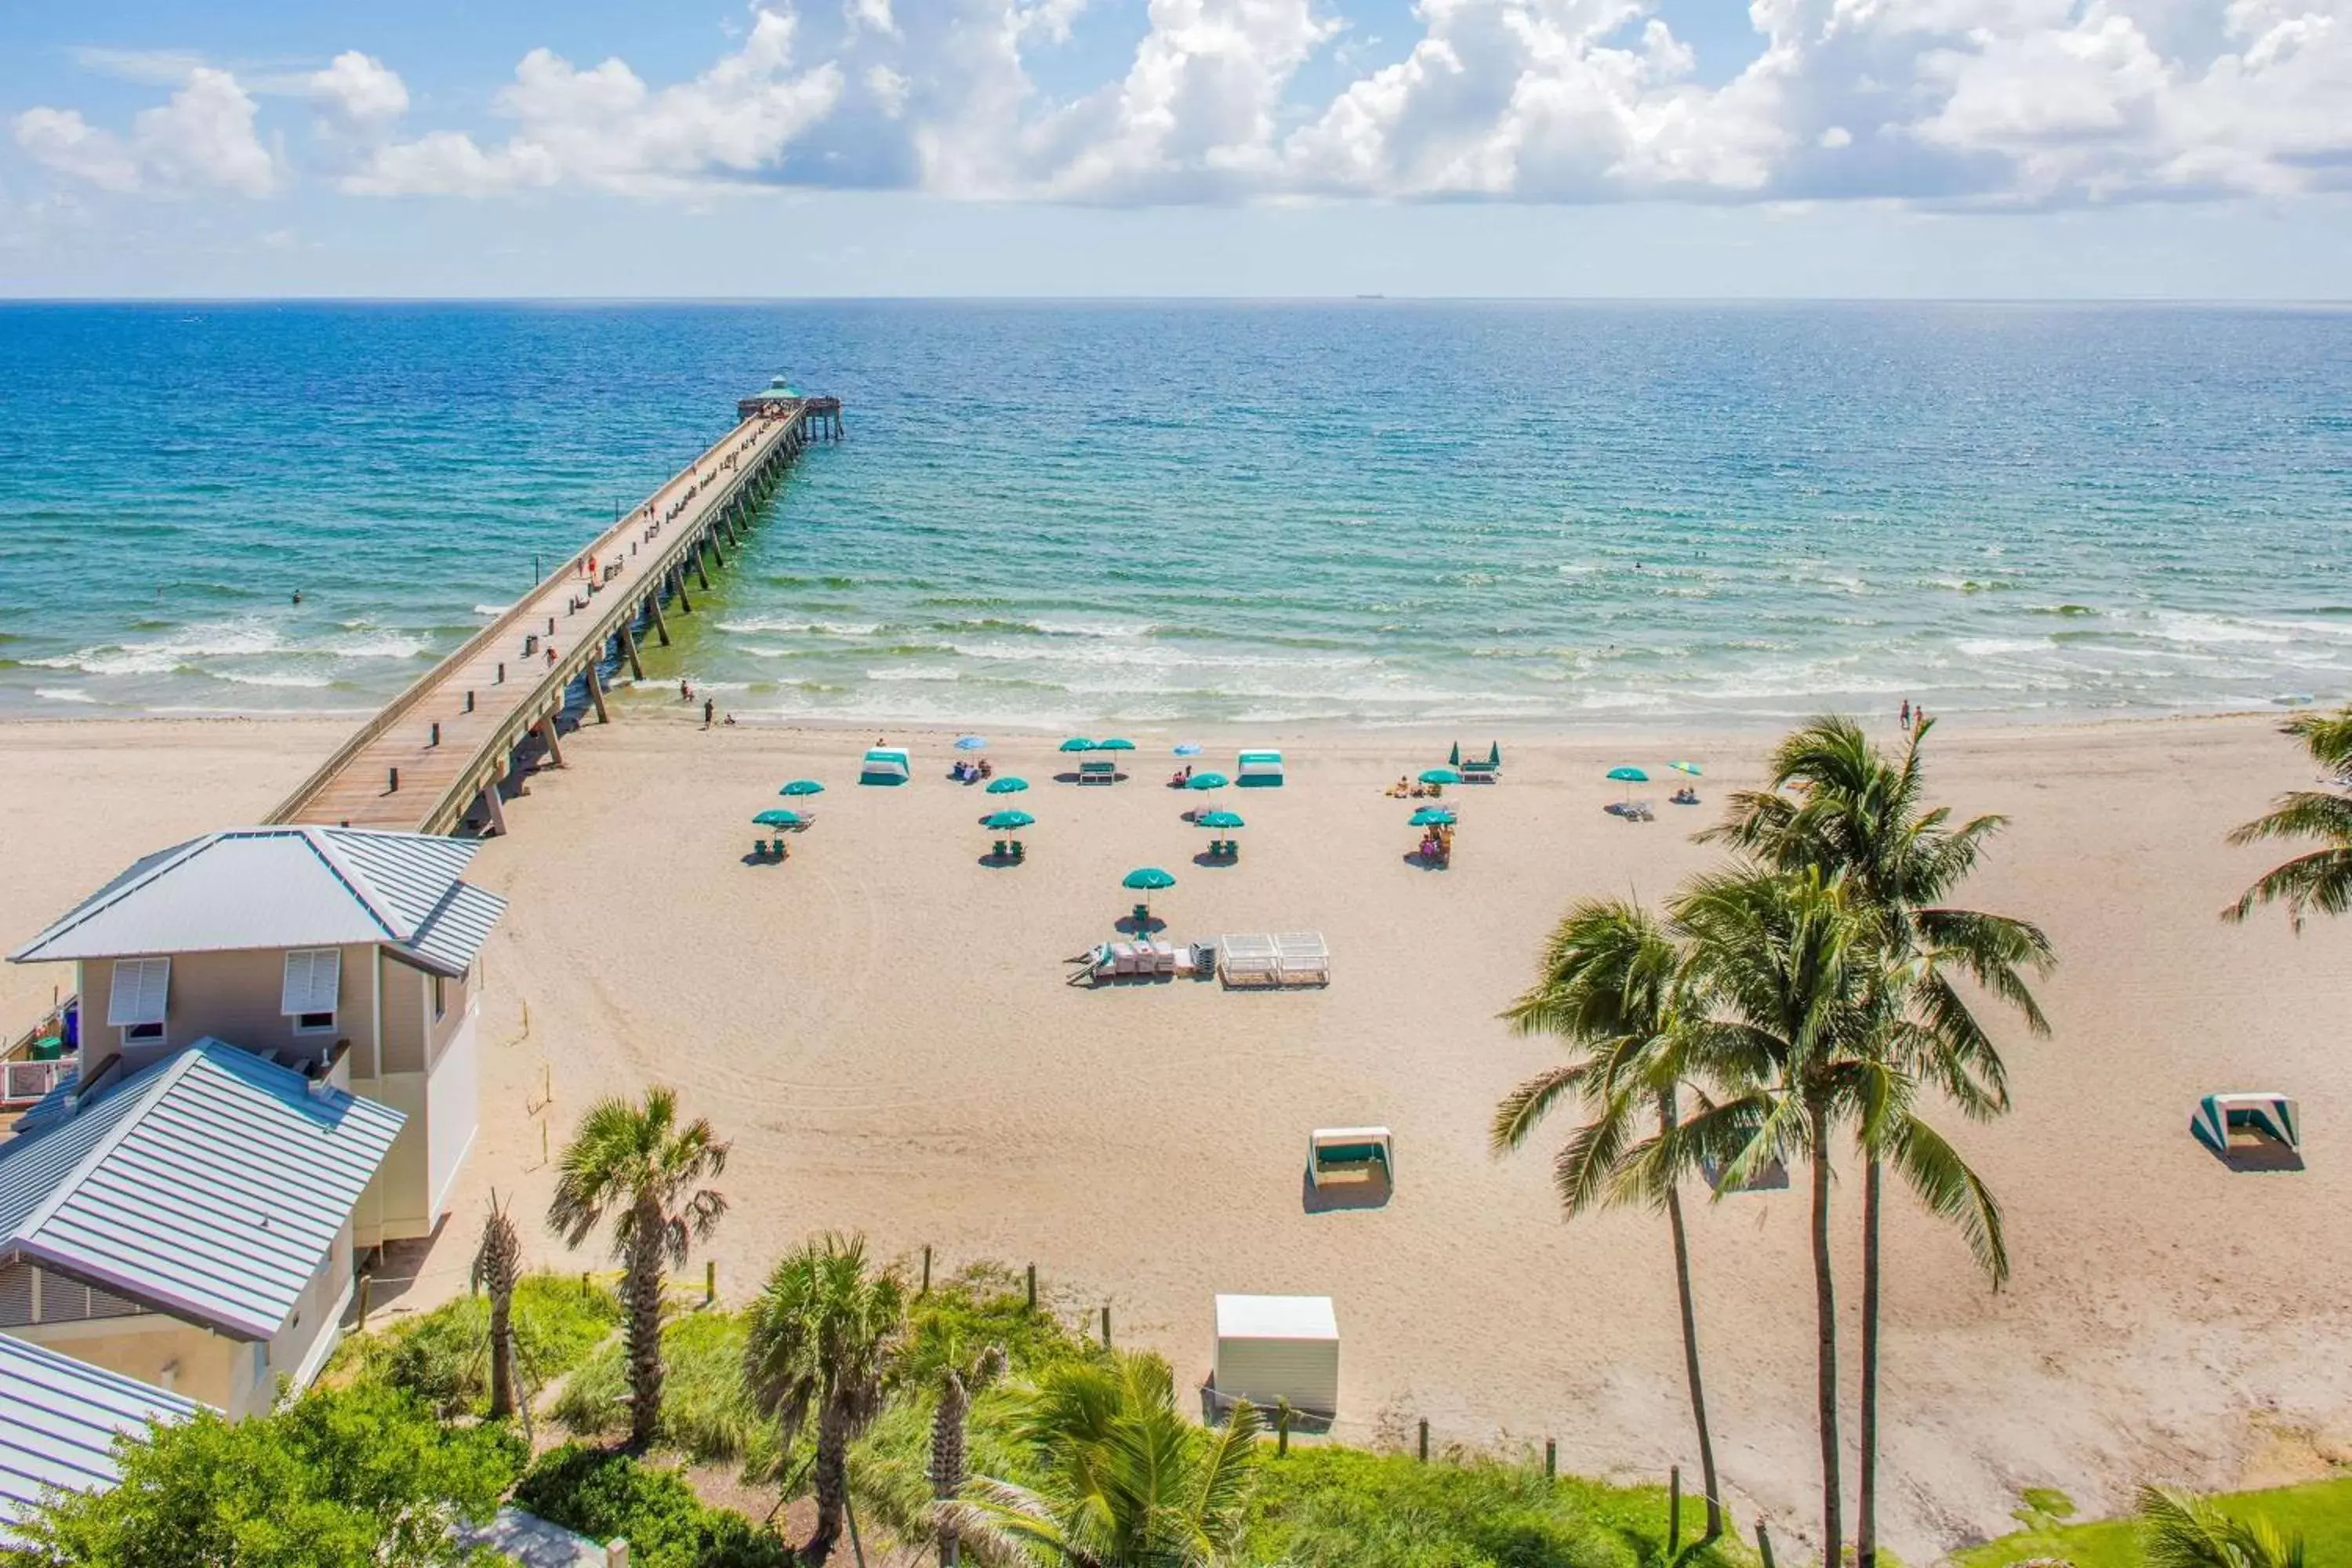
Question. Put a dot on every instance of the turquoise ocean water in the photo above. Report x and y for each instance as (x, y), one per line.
(1516, 514)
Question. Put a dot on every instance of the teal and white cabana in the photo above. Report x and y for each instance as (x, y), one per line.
(1351, 1152)
(885, 765)
(2246, 1118)
(1261, 768)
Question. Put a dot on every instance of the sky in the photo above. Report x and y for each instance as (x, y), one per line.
(2195, 149)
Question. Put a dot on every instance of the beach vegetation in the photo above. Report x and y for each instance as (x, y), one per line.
(823, 1340)
(707, 1413)
(442, 1356)
(1615, 985)
(633, 1166)
(2320, 880)
(2174, 1530)
(1329, 1506)
(1838, 804)
(1123, 1480)
(604, 1493)
(497, 1263)
(340, 1478)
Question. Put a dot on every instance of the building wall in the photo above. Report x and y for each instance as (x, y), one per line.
(160, 1351)
(433, 1077)
(234, 996)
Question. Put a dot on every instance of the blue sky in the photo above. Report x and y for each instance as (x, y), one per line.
(2035, 148)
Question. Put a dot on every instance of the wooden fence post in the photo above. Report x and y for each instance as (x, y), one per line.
(927, 1270)
(1106, 1325)
(1551, 1459)
(710, 1280)
(1764, 1543)
(1033, 1286)
(1673, 1509)
(1424, 1439)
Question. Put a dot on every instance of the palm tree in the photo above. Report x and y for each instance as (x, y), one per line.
(1783, 961)
(950, 1435)
(1614, 985)
(634, 1164)
(2322, 880)
(497, 1263)
(2178, 1530)
(1128, 1482)
(823, 1336)
(1863, 816)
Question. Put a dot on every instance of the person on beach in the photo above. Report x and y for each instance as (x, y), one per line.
(1907, 712)
(707, 707)
(685, 692)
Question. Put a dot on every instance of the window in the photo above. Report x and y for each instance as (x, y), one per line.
(313, 977)
(135, 1003)
(440, 998)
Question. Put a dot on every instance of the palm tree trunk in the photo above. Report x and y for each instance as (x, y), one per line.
(948, 1445)
(502, 1377)
(645, 1303)
(1690, 1339)
(1825, 1316)
(832, 1485)
(1865, 1524)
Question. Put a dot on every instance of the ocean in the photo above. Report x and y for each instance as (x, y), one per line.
(1393, 513)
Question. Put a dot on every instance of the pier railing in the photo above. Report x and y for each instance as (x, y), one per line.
(394, 711)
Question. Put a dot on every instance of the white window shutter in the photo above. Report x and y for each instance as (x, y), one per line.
(138, 995)
(314, 979)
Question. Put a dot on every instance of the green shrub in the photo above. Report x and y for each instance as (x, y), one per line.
(986, 1304)
(442, 1356)
(602, 1494)
(339, 1478)
(1342, 1508)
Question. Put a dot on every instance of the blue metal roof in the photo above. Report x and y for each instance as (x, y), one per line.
(210, 1185)
(284, 887)
(58, 1419)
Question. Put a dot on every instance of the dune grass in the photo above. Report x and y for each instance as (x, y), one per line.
(2320, 1511)
(705, 1415)
(442, 1356)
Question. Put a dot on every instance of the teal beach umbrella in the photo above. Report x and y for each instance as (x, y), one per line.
(1147, 879)
(1005, 821)
(1628, 775)
(1207, 781)
(1007, 785)
(1078, 744)
(776, 816)
(802, 786)
(1219, 819)
(1114, 744)
(1431, 817)
(1441, 776)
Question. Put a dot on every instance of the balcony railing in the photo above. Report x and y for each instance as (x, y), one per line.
(26, 1074)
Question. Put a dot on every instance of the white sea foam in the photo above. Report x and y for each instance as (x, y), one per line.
(63, 694)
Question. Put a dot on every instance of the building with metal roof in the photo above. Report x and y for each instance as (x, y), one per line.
(190, 1225)
(59, 1421)
(346, 954)
(285, 888)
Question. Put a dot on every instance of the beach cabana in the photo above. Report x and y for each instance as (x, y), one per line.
(1262, 769)
(2228, 1123)
(885, 765)
(1273, 1348)
(1350, 1154)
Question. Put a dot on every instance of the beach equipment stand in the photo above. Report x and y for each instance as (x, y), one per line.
(2231, 1123)
(885, 765)
(1278, 1348)
(1351, 1152)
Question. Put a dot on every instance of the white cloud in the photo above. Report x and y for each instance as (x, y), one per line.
(605, 129)
(1943, 102)
(203, 139)
(358, 94)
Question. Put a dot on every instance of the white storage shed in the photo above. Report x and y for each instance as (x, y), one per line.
(1279, 1347)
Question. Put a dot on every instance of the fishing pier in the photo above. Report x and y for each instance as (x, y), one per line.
(446, 753)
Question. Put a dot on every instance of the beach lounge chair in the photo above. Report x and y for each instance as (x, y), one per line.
(1122, 958)
(1248, 960)
(1140, 915)
(1018, 850)
(1097, 772)
(1164, 959)
(998, 852)
(1350, 1154)
(1302, 958)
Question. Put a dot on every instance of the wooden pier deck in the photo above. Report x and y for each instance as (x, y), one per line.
(437, 756)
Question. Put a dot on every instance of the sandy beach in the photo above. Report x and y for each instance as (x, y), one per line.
(881, 1024)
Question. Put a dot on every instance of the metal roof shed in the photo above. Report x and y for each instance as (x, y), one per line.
(58, 1420)
(1279, 1347)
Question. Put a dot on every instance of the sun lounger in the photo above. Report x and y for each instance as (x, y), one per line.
(1302, 958)
(1163, 958)
(1122, 958)
(1249, 960)
(998, 853)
